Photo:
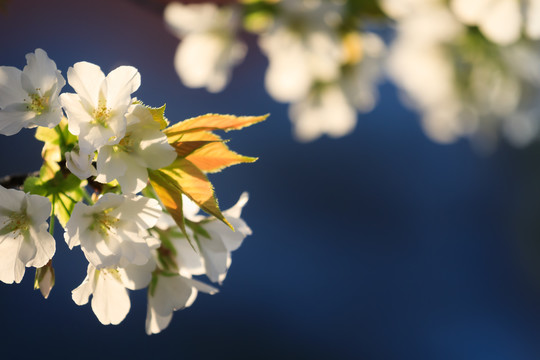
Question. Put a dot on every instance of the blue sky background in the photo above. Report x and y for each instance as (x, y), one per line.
(379, 245)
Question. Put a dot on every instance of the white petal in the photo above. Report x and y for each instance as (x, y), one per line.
(215, 258)
(189, 261)
(183, 19)
(75, 111)
(110, 301)
(110, 164)
(236, 210)
(155, 151)
(42, 72)
(121, 82)
(134, 179)
(77, 223)
(190, 209)
(81, 294)
(86, 79)
(11, 91)
(11, 266)
(136, 277)
(502, 22)
(171, 293)
(49, 118)
(45, 246)
(533, 19)
(11, 200)
(142, 210)
(80, 164)
(38, 208)
(13, 118)
(470, 11)
(154, 321)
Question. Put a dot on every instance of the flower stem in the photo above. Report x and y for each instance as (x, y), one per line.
(51, 226)
(87, 197)
(61, 136)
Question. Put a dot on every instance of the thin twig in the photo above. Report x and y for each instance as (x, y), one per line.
(16, 180)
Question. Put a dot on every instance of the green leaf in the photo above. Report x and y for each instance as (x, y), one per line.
(64, 191)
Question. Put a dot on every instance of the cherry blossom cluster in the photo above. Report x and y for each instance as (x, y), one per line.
(325, 68)
(126, 187)
(470, 67)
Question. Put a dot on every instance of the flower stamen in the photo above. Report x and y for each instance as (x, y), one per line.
(101, 114)
(103, 223)
(38, 104)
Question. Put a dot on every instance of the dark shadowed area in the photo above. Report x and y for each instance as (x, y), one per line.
(379, 245)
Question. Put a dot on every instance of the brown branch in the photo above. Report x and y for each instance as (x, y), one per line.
(16, 180)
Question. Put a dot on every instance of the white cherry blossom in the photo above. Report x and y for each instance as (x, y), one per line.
(108, 287)
(214, 241)
(80, 164)
(143, 147)
(24, 239)
(216, 249)
(209, 47)
(97, 112)
(29, 98)
(169, 294)
(113, 231)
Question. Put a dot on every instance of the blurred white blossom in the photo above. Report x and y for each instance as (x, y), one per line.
(302, 47)
(464, 84)
(501, 21)
(330, 108)
(29, 98)
(209, 48)
(97, 112)
(24, 239)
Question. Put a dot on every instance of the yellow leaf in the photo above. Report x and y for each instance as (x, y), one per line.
(193, 136)
(185, 148)
(55, 140)
(207, 151)
(170, 195)
(159, 116)
(211, 122)
(216, 156)
(183, 177)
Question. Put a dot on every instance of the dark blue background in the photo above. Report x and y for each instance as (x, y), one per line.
(379, 245)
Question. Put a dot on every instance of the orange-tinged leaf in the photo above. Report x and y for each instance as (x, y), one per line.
(170, 196)
(158, 114)
(194, 184)
(211, 122)
(216, 156)
(184, 148)
(193, 136)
